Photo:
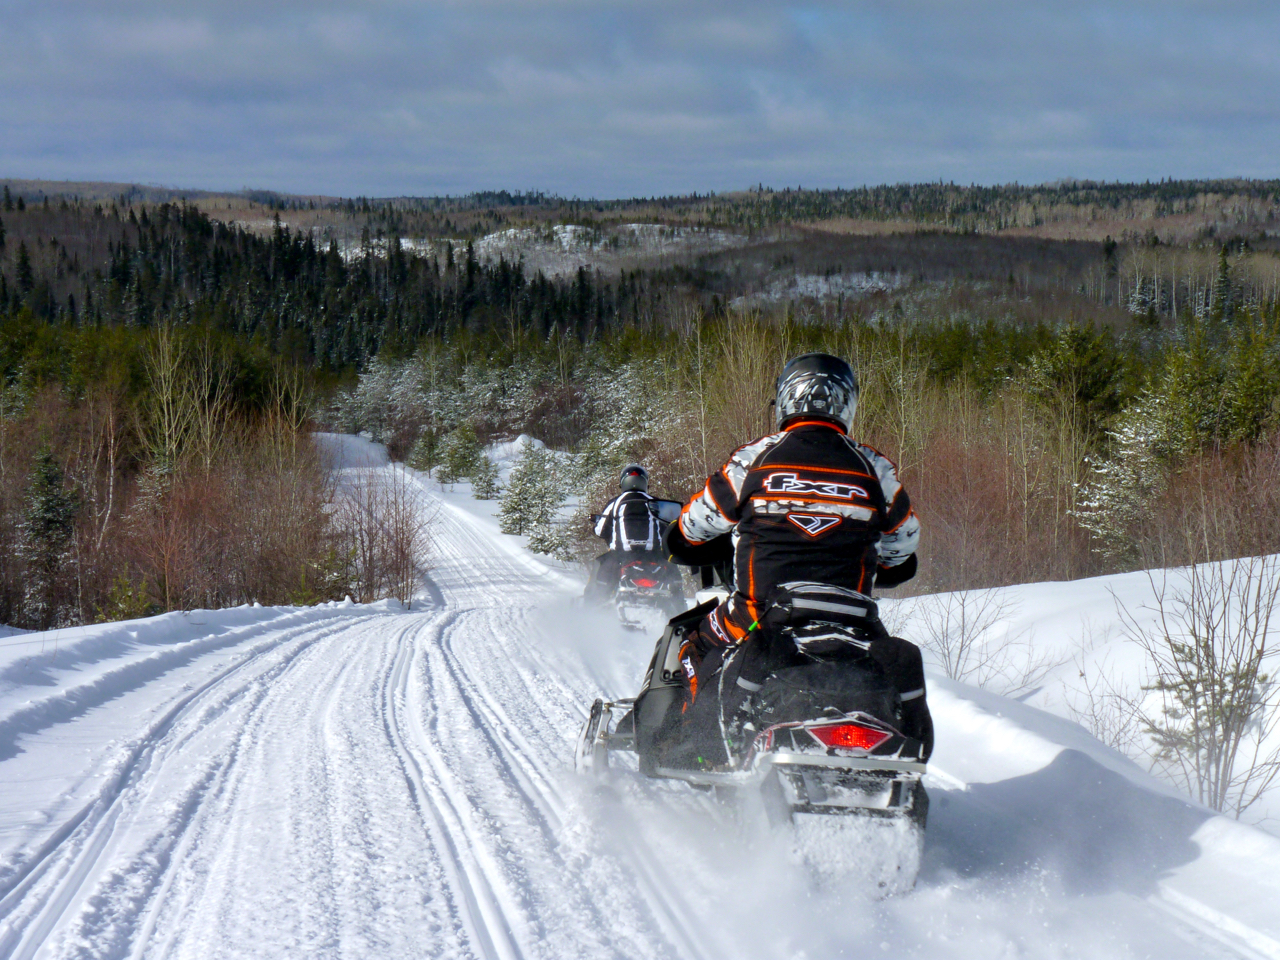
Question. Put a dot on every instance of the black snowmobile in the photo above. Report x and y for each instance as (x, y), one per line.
(819, 743)
(649, 588)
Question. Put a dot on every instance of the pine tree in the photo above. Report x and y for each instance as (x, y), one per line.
(335, 269)
(460, 453)
(1223, 288)
(1081, 373)
(1125, 480)
(25, 277)
(423, 455)
(533, 493)
(8, 199)
(48, 523)
(551, 539)
(484, 479)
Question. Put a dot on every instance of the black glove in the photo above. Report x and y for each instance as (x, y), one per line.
(900, 573)
(689, 554)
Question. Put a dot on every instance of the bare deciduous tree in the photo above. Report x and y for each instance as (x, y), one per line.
(209, 384)
(405, 521)
(385, 528)
(1217, 710)
(169, 422)
(961, 630)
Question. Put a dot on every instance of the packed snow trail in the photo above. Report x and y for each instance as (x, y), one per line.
(348, 781)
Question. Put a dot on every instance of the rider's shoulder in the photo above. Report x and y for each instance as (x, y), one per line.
(869, 450)
(882, 464)
(750, 452)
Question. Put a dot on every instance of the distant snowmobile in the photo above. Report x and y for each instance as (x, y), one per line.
(649, 588)
(648, 591)
(819, 743)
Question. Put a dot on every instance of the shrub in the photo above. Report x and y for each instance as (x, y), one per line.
(1215, 703)
(383, 529)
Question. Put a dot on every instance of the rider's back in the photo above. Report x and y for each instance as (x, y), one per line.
(809, 504)
(628, 525)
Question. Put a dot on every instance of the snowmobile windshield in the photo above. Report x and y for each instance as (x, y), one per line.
(668, 511)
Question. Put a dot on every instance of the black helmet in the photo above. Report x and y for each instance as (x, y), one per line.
(817, 385)
(634, 477)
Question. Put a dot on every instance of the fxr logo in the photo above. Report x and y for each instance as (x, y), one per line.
(790, 483)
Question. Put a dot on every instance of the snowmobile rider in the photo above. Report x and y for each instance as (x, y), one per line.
(807, 503)
(631, 529)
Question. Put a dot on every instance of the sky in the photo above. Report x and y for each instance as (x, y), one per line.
(613, 99)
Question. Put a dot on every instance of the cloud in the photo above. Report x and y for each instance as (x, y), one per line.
(614, 98)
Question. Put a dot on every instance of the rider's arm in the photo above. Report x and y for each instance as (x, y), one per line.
(703, 518)
(718, 507)
(901, 533)
(604, 522)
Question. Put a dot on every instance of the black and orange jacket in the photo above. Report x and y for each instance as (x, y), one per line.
(805, 504)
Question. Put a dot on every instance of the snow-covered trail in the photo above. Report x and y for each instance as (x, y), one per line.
(351, 781)
(368, 783)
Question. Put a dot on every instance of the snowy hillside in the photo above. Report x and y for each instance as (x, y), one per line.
(374, 781)
(559, 250)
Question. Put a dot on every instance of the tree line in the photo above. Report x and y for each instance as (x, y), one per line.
(73, 265)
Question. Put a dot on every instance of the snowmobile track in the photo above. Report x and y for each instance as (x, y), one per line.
(77, 847)
(485, 916)
(546, 801)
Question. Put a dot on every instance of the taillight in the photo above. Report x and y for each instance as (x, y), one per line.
(849, 736)
(645, 583)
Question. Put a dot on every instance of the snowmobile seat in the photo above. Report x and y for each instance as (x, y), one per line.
(822, 621)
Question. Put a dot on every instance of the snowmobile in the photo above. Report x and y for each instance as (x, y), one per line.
(650, 590)
(647, 588)
(818, 745)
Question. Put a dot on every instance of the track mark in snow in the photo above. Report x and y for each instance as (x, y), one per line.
(1225, 931)
(71, 856)
(74, 701)
(483, 913)
(539, 786)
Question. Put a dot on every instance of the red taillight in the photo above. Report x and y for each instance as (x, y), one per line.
(645, 583)
(849, 736)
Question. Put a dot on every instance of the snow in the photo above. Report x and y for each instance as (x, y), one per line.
(559, 250)
(814, 286)
(369, 781)
(1082, 630)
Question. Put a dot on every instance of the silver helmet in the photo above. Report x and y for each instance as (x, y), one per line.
(820, 386)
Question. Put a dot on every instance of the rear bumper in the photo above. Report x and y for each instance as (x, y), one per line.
(755, 774)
